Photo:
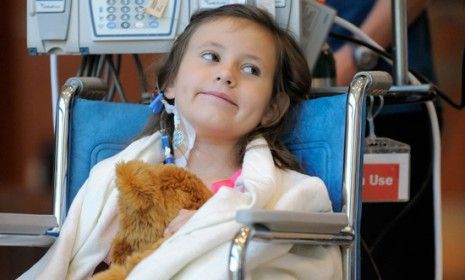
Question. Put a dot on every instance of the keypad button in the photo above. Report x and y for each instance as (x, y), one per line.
(111, 25)
(125, 25)
(154, 24)
(139, 9)
(125, 9)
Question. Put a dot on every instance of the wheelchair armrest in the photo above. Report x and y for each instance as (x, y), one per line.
(296, 222)
(26, 240)
(286, 227)
(14, 223)
(26, 229)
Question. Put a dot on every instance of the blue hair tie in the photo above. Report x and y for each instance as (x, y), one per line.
(157, 105)
(165, 145)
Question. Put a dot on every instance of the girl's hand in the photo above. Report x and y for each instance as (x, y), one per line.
(183, 216)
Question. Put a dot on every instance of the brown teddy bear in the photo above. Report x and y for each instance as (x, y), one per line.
(150, 198)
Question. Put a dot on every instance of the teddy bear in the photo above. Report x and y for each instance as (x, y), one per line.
(150, 197)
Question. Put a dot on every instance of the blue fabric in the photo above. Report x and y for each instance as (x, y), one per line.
(316, 137)
(99, 130)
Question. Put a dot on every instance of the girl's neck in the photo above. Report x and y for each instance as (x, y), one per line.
(213, 161)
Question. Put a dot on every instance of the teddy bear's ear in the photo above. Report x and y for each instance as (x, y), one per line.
(135, 180)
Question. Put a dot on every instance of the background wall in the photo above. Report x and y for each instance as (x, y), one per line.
(447, 20)
(27, 133)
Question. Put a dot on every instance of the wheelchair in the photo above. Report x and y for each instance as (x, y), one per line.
(330, 147)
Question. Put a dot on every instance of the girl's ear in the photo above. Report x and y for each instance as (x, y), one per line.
(169, 93)
(276, 110)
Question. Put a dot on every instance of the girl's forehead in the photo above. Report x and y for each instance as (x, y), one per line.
(231, 25)
(233, 29)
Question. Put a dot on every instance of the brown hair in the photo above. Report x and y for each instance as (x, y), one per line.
(292, 75)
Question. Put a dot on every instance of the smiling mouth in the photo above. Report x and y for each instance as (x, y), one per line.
(220, 95)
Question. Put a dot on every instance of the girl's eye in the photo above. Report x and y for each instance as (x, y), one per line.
(211, 56)
(251, 69)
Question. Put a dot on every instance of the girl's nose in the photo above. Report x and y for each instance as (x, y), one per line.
(226, 76)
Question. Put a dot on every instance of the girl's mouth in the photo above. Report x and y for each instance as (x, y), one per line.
(221, 95)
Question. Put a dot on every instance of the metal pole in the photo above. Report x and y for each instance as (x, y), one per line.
(54, 85)
(399, 28)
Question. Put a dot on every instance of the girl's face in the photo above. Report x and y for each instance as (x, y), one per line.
(225, 79)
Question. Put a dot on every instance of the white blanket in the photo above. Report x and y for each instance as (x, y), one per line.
(199, 250)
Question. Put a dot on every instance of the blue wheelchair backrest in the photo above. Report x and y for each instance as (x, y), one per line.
(100, 129)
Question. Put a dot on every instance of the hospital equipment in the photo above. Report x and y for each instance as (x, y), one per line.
(115, 26)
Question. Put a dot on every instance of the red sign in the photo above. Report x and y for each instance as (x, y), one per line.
(380, 182)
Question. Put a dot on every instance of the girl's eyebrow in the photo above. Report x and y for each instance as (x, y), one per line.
(220, 46)
(211, 44)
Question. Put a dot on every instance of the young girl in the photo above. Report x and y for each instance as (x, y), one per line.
(231, 75)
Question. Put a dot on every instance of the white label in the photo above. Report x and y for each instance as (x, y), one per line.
(50, 6)
(210, 4)
(156, 7)
(280, 3)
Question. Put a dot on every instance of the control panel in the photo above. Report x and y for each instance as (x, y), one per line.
(128, 19)
(150, 26)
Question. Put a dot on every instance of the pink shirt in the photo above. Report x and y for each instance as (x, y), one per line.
(230, 182)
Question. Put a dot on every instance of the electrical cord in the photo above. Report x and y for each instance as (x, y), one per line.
(372, 260)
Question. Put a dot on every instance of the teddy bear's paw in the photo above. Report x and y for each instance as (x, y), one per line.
(115, 272)
(175, 177)
(187, 187)
(137, 257)
(120, 250)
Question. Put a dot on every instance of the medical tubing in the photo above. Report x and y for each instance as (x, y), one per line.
(142, 77)
(114, 70)
(106, 74)
(80, 71)
(111, 68)
(436, 150)
(437, 187)
(101, 63)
